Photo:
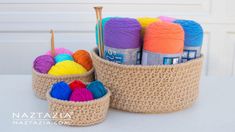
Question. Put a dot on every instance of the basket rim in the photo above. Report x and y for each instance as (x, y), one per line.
(65, 102)
(95, 50)
(64, 76)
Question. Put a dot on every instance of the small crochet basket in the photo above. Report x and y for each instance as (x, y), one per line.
(41, 83)
(79, 113)
(150, 89)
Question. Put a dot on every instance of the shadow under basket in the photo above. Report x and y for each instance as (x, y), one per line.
(150, 89)
(41, 83)
(79, 113)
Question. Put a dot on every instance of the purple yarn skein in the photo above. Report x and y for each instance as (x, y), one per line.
(122, 33)
(43, 63)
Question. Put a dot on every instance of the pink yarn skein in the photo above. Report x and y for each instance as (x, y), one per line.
(167, 19)
(80, 95)
(60, 51)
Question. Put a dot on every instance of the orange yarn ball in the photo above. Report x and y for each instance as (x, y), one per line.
(83, 58)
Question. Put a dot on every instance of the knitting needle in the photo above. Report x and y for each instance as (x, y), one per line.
(101, 30)
(98, 11)
(97, 21)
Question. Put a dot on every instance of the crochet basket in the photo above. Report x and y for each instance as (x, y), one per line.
(42, 82)
(79, 113)
(150, 89)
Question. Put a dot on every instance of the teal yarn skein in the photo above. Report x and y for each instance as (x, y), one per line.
(61, 90)
(97, 89)
(63, 57)
(104, 20)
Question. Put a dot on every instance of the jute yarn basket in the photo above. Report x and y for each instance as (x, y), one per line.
(80, 113)
(150, 89)
(41, 83)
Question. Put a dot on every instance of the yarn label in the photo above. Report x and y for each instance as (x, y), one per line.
(149, 58)
(122, 56)
(191, 53)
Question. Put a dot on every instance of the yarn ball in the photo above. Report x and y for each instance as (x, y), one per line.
(193, 32)
(77, 84)
(60, 51)
(43, 63)
(166, 19)
(97, 88)
(104, 20)
(63, 57)
(122, 33)
(83, 58)
(145, 21)
(61, 91)
(164, 38)
(80, 95)
(67, 68)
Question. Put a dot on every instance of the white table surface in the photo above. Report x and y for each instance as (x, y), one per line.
(214, 110)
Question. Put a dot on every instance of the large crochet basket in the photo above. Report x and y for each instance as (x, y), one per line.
(150, 89)
(41, 83)
(79, 113)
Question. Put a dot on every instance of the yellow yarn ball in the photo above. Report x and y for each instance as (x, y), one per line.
(145, 21)
(67, 68)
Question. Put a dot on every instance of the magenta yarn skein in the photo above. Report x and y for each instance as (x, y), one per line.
(80, 95)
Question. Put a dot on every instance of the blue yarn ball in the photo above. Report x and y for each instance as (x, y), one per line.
(97, 89)
(104, 20)
(61, 90)
(63, 57)
(193, 32)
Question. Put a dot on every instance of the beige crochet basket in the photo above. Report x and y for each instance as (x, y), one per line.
(150, 89)
(42, 82)
(79, 113)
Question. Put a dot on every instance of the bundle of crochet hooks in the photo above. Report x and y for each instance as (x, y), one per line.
(98, 11)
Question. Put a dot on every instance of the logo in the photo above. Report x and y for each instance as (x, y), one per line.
(40, 118)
